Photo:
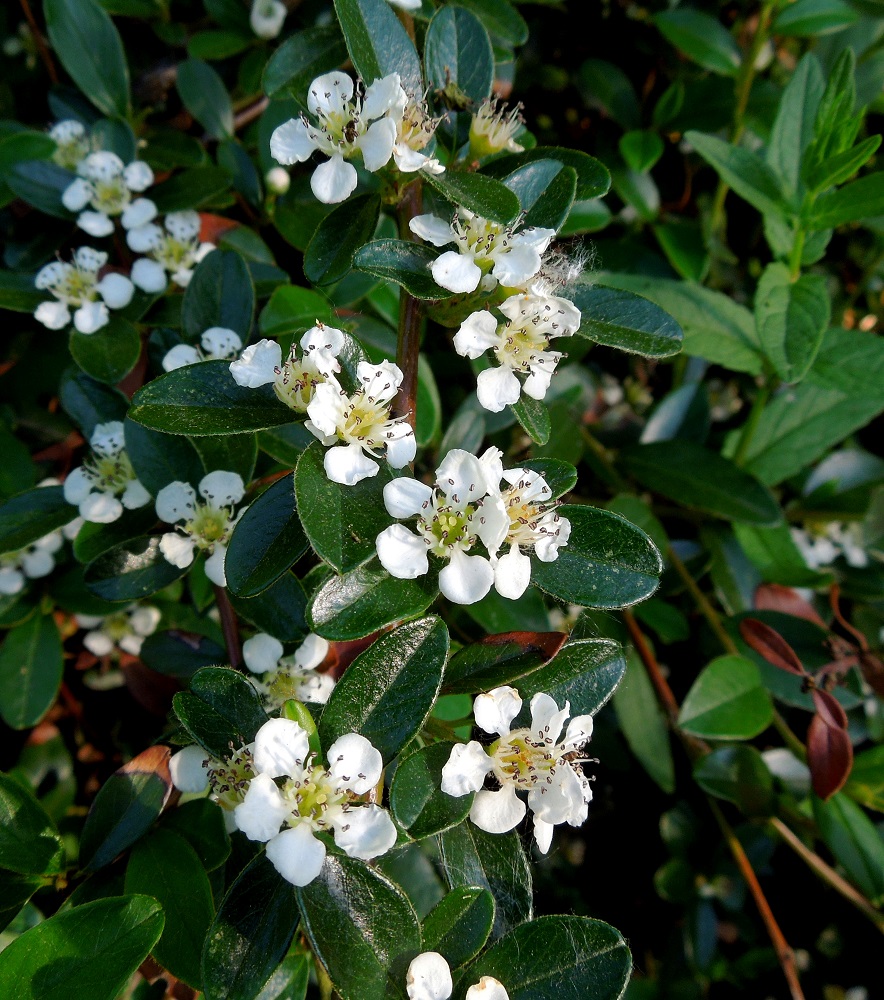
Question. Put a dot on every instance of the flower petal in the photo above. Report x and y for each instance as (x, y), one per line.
(547, 718)
(377, 144)
(221, 341)
(222, 488)
(101, 508)
(291, 142)
(77, 486)
(77, 195)
(497, 812)
(139, 213)
(401, 445)
(579, 732)
(406, 496)
(330, 93)
(465, 769)
(348, 464)
(137, 175)
(91, 316)
(53, 315)
(214, 565)
(461, 474)
(512, 574)
(384, 95)
(180, 356)
(95, 223)
(188, 769)
(178, 549)
(466, 579)
(116, 290)
(365, 832)
(262, 811)
(312, 651)
(543, 832)
(176, 502)
(402, 553)
(149, 276)
(477, 334)
(334, 181)
(183, 225)
(432, 229)
(488, 988)
(354, 763)
(428, 977)
(281, 747)
(456, 271)
(258, 364)
(497, 388)
(262, 653)
(296, 854)
(495, 710)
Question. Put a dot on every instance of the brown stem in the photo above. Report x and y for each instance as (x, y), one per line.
(229, 626)
(409, 314)
(42, 47)
(250, 113)
(661, 685)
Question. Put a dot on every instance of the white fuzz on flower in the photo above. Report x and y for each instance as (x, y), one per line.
(123, 631)
(429, 978)
(217, 344)
(520, 344)
(77, 285)
(283, 677)
(106, 185)
(173, 248)
(414, 132)
(295, 380)
(207, 525)
(29, 563)
(487, 252)
(452, 519)
(358, 428)
(531, 760)
(493, 128)
(106, 482)
(72, 144)
(266, 17)
(345, 124)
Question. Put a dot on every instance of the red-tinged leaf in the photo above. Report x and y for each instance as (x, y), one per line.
(546, 643)
(213, 227)
(771, 645)
(775, 597)
(829, 750)
(872, 668)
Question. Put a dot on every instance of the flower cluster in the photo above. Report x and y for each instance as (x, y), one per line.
(173, 249)
(106, 483)
(279, 678)
(77, 285)
(429, 978)
(207, 525)
(72, 144)
(123, 631)
(822, 545)
(106, 185)
(29, 563)
(218, 343)
(529, 759)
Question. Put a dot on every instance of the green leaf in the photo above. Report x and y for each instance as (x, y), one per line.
(24, 145)
(17, 292)
(97, 945)
(29, 516)
(792, 317)
(593, 178)
(90, 49)
(329, 255)
(492, 861)
(842, 166)
(641, 149)
(130, 571)
(190, 189)
(416, 797)
(201, 823)
(621, 319)
(585, 673)
(30, 671)
(237, 453)
(745, 171)
(533, 416)
(793, 128)
(220, 293)
(701, 479)
(737, 774)
(301, 58)
(499, 659)
(29, 841)
(606, 87)
(293, 310)
(94, 539)
(204, 95)
(217, 44)
(559, 476)
(251, 933)
(546, 191)
(88, 402)
(405, 263)
(159, 459)
(267, 541)
(361, 927)
(459, 924)
(367, 599)
(457, 50)
(15, 891)
(587, 216)
(378, 43)
(221, 707)
(165, 866)
(279, 610)
(776, 556)
(862, 199)
(727, 701)
(203, 399)
(811, 18)
(388, 691)
(41, 184)
(607, 563)
(702, 38)
(866, 781)
(504, 23)
(110, 353)
(852, 837)
(558, 958)
(481, 195)
(643, 724)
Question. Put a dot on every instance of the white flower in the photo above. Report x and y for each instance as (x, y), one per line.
(106, 482)
(492, 129)
(451, 520)
(295, 380)
(277, 180)
(414, 132)
(77, 284)
(72, 144)
(284, 677)
(266, 17)
(218, 343)
(124, 630)
(312, 798)
(106, 185)
(343, 126)
(174, 248)
(31, 562)
(429, 978)
(362, 422)
(528, 760)
(207, 525)
(822, 544)
(487, 252)
(519, 344)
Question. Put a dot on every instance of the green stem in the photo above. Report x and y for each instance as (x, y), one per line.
(796, 255)
(789, 738)
(749, 428)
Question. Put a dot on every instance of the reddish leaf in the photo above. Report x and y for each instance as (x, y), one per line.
(771, 645)
(546, 643)
(213, 227)
(872, 668)
(775, 597)
(829, 750)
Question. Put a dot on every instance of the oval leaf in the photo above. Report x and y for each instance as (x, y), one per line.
(220, 293)
(29, 842)
(459, 924)
(30, 671)
(416, 797)
(727, 701)
(482, 195)
(458, 50)
(329, 255)
(621, 319)
(130, 571)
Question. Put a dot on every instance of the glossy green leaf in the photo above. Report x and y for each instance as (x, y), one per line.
(641, 149)
(792, 317)
(29, 841)
(593, 178)
(607, 563)
(89, 47)
(457, 50)
(500, 659)
(737, 774)
(361, 927)
(88, 402)
(862, 199)
(203, 93)
(459, 924)
(94, 539)
(746, 172)
(857, 845)
(702, 479)
(130, 571)
(388, 691)
(629, 322)
(727, 701)
(643, 724)
(30, 671)
(201, 823)
(866, 782)
(416, 797)
(585, 673)
(165, 866)
(481, 195)
(159, 459)
(97, 945)
(108, 354)
(534, 417)
(41, 183)
(280, 610)
(504, 23)
(301, 58)
(18, 292)
(606, 87)
(204, 399)
(15, 891)
(266, 542)
(349, 226)
(405, 263)
(546, 191)
(190, 189)
(220, 293)
(702, 38)
(221, 708)
(29, 516)
(293, 310)
(251, 933)
(24, 145)
(378, 43)
(811, 18)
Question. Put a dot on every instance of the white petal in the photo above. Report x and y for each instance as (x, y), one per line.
(98, 644)
(497, 812)
(326, 409)
(266, 17)
(188, 770)
(53, 315)
(477, 333)
(383, 95)
(579, 731)
(258, 364)
(101, 508)
(296, 854)
(222, 488)
(178, 549)
(139, 213)
(183, 225)
(176, 502)
(144, 238)
(462, 474)
(517, 266)
(131, 644)
(116, 290)
(291, 142)
(537, 384)
(402, 553)
(428, 978)
(547, 718)
(497, 388)
(138, 176)
(334, 181)
(90, 259)
(91, 316)
(512, 574)
(312, 651)
(495, 710)
(51, 274)
(457, 272)
(466, 579)
(214, 565)
(401, 445)
(149, 276)
(323, 339)
(365, 832)
(354, 763)
(377, 144)
(380, 381)
(95, 223)
(487, 988)
(262, 653)
(180, 356)
(315, 687)
(77, 486)
(109, 437)
(432, 229)
(562, 800)
(144, 620)
(493, 524)
(406, 496)
(281, 747)
(330, 93)
(49, 543)
(221, 341)
(102, 165)
(547, 548)
(535, 237)
(409, 160)
(543, 832)
(11, 581)
(465, 770)
(77, 195)
(348, 464)
(262, 811)
(37, 563)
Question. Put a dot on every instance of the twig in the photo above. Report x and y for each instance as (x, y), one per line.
(409, 314)
(661, 685)
(42, 47)
(250, 113)
(703, 603)
(229, 626)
